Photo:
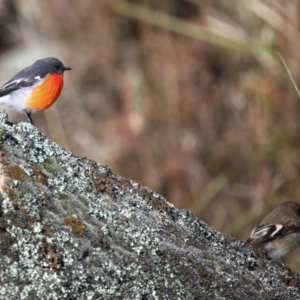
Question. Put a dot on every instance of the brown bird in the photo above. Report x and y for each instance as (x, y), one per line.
(279, 231)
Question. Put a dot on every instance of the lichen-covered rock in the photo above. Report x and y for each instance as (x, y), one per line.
(71, 229)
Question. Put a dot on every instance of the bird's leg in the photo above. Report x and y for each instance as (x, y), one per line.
(28, 115)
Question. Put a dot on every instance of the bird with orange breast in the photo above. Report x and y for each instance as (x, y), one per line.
(34, 88)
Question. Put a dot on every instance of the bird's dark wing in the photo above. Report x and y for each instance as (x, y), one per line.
(28, 76)
(264, 233)
(268, 232)
(16, 84)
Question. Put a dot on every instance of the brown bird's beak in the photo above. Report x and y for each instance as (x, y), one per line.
(67, 69)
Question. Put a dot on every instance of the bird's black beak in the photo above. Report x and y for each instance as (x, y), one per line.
(67, 69)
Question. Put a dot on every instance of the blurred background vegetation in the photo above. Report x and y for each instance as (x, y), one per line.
(187, 97)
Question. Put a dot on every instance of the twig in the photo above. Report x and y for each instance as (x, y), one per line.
(289, 73)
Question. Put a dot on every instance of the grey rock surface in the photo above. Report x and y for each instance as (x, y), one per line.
(71, 229)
